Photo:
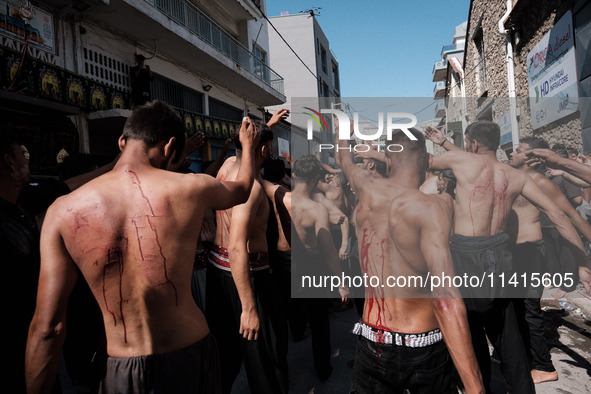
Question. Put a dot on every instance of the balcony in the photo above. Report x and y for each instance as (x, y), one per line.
(446, 49)
(194, 41)
(439, 90)
(440, 109)
(440, 71)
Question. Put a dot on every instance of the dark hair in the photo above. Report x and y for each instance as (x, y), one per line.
(139, 57)
(411, 146)
(307, 168)
(154, 122)
(535, 142)
(274, 170)
(562, 153)
(265, 132)
(380, 166)
(487, 133)
(558, 146)
(7, 142)
(572, 151)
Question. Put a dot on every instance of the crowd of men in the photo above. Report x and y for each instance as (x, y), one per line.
(186, 277)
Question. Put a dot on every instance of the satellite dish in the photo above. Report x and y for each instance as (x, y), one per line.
(312, 11)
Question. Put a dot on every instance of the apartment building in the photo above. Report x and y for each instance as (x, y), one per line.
(65, 70)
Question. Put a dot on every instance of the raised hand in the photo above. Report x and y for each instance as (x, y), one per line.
(435, 135)
(249, 134)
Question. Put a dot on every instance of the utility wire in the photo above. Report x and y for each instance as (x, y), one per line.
(286, 43)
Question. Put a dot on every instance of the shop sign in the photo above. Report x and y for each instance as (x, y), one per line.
(552, 75)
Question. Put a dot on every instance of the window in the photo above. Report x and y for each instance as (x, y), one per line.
(481, 59)
(335, 77)
(219, 109)
(323, 58)
(260, 67)
(176, 94)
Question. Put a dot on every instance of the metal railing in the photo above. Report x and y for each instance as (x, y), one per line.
(191, 17)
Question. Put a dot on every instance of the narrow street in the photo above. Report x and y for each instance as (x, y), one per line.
(568, 335)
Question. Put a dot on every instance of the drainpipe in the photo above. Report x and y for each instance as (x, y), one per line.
(464, 110)
(510, 74)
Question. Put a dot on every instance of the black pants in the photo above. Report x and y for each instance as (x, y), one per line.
(264, 361)
(530, 257)
(316, 310)
(292, 308)
(559, 257)
(392, 369)
(489, 313)
(194, 369)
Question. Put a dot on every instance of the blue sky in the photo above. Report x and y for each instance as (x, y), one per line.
(385, 48)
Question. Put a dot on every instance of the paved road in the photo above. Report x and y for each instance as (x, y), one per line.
(568, 334)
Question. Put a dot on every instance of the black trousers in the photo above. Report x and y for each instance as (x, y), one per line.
(559, 257)
(264, 360)
(530, 257)
(194, 369)
(381, 368)
(490, 313)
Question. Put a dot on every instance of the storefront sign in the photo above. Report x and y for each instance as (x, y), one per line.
(31, 22)
(552, 75)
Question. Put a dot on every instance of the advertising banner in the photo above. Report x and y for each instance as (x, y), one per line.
(552, 73)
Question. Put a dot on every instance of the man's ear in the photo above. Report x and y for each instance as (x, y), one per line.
(170, 148)
(7, 162)
(475, 146)
(121, 142)
(371, 165)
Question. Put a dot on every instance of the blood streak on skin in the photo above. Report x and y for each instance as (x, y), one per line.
(477, 195)
(167, 280)
(139, 185)
(375, 295)
(115, 258)
(138, 238)
(223, 218)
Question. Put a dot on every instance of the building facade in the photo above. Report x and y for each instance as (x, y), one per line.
(527, 67)
(300, 52)
(66, 66)
(448, 88)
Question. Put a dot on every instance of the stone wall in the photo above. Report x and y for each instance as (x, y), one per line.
(536, 20)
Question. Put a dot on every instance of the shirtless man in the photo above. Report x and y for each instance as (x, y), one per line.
(402, 232)
(485, 192)
(314, 255)
(243, 305)
(530, 257)
(132, 234)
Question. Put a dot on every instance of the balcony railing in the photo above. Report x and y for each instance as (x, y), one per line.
(440, 70)
(439, 90)
(191, 17)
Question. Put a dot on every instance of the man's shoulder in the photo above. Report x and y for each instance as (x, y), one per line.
(540, 179)
(416, 204)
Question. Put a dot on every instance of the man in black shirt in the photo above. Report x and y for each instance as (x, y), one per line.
(141, 75)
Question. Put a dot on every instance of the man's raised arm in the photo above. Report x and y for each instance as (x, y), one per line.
(437, 137)
(551, 159)
(344, 159)
(226, 194)
(435, 226)
(537, 197)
